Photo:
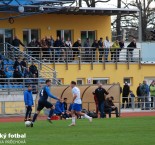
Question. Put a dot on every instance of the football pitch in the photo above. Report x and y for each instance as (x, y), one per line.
(115, 131)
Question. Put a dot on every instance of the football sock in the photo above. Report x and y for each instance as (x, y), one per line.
(73, 120)
(50, 113)
(86, 116)
(34, 117)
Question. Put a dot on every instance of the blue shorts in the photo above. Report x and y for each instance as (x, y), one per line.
(76, 107)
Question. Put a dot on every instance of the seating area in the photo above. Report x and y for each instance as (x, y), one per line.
(10, 82)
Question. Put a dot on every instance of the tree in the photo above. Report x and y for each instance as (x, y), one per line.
(131, 20)
(92, 3)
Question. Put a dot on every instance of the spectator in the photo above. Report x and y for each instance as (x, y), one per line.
(145, 94)
(87, 50)
(58, 45)
(2, 73)
(1, 64)
(68, 44)
(76, 47)
(17, 63)
(109, 106)
(115, 51)
(126, 91)
(101, 49)
(44, 48)
(130, 50)
(152, 93)
(139, 94)
(33, 69)
(107, 46)
(65, 104)
(16, 42)
(17, 74)
(8, 73)
(27, 73)
(121, 44)
(100, 93)
(32, 50)
(95, 45)
(52, 41)
(23, 63)
(59, 109)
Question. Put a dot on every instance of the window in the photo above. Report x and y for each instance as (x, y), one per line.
(80, 81)
(65, 34)
(101, 80)
(88, 34)
(128, 80)
(29, 34)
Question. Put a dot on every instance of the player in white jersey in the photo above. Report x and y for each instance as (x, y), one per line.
(77, 104)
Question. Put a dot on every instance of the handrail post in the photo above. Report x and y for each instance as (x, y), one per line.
(92, 57)
(139, 59)
(67, 51)
(54, 59)
(79, 56)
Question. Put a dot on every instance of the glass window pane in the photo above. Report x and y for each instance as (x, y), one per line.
(67, 34)
(34, 34)
(91, 36)
(26, 37)
(59, 33)
(83, 37)
(8, 35)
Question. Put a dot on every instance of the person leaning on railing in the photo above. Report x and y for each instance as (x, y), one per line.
(115, 51)
(130, 50)
(95, 46)
(76, 47)
(69, 51)
(152, 92)
(101, 50)
(107, 46)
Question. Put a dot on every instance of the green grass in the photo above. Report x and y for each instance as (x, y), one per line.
(115, 131)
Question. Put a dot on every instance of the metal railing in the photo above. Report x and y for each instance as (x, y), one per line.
(44, 71)
(140, 102)
(84, 54)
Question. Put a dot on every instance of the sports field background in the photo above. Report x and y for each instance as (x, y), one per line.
(114, 131)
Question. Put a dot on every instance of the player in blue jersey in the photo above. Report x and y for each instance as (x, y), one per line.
(77, 104)
(42, 102)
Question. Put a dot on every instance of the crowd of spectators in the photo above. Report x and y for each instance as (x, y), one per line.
(59, 50)
(20, 69)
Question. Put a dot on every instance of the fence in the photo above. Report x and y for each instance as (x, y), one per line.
(141, 102)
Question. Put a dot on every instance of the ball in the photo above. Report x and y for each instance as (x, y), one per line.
(28, 123)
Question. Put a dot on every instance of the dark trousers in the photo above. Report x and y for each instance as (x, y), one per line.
(101, 109)
(129, 55)
(128, 102)
(28, 112)
(109, 110)
(101, 52)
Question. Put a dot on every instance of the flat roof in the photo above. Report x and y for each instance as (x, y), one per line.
(96, 11)
(32, 9)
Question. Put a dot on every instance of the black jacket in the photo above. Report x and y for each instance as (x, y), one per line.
(139, 91)
(16, 64)
(96, 45)
(126, 91)
(132, 45)
(108, 103)
(17, 74)
(100, 94)
(33, 69)
(23, 63)
(17, 42)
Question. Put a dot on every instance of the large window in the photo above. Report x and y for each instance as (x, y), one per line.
(80, 81)
(88, 34)
(101, 80)
(29, 34)
(128, 80)
(6, 35)
(65, 34)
